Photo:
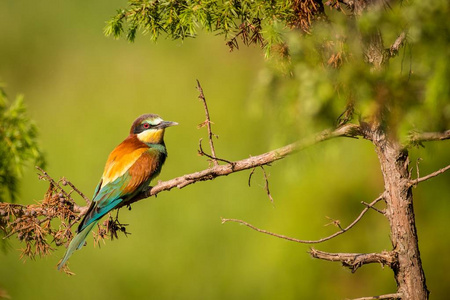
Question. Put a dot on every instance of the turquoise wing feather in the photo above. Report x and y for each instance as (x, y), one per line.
(105, 200)
(109, 196)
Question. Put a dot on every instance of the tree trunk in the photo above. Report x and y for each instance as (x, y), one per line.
(394, 163)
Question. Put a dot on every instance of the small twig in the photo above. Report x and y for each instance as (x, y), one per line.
(224, 220)
(354, 261)
(386, 297)
(373, 207)
(67, 182)
(250, 176)
(53, 182)
(417, 168)
(201, 152)
(208, 123)
(266, 184)
(429, 176)
(334, 222)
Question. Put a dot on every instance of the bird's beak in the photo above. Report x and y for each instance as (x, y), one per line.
(165, 124)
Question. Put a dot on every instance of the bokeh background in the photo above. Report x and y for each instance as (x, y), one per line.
(84, 90)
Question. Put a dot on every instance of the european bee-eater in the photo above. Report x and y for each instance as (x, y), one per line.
(129, 169)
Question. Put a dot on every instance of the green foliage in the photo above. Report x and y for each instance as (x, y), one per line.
(327, 73)
(318, 79)
(254, 22)
(18, 135)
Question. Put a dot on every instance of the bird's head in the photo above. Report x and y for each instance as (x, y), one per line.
(149, 128)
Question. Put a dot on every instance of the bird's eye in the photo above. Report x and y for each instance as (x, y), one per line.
(146, 125)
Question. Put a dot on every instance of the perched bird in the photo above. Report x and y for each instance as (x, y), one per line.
(129, 169)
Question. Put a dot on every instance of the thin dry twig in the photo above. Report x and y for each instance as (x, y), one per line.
(385, 297)
(429, 176)
(215, 159)
(417, 167)
(224, 220)
(47, 177)
(266, 184)
(207, 123)
(334, 222)
(373, 207)
(354, 261)
(65, 182)
(250, 176)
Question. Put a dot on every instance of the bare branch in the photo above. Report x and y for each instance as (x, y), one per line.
(386, 297)
(353, 261)
(372, 207)
(429, 176)
(308, 241)
(213, 158)
(207, 122)
(348, 130)
(417, 138)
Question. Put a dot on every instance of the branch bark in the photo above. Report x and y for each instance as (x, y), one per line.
(355, 260)
(394, 161)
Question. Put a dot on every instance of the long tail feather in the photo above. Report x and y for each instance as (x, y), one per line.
(76, 243)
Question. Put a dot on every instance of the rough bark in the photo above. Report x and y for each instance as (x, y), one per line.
(394, 163)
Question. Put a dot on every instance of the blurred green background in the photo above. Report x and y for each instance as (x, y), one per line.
(84, 90)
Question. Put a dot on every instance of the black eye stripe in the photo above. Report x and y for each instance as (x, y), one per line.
(142, 127)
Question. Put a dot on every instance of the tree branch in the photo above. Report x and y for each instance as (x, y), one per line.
(348, 130)
(368, 206)
(417, 138)
(213, 158)
(353, 261)
(387, 296)
(429, 176)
